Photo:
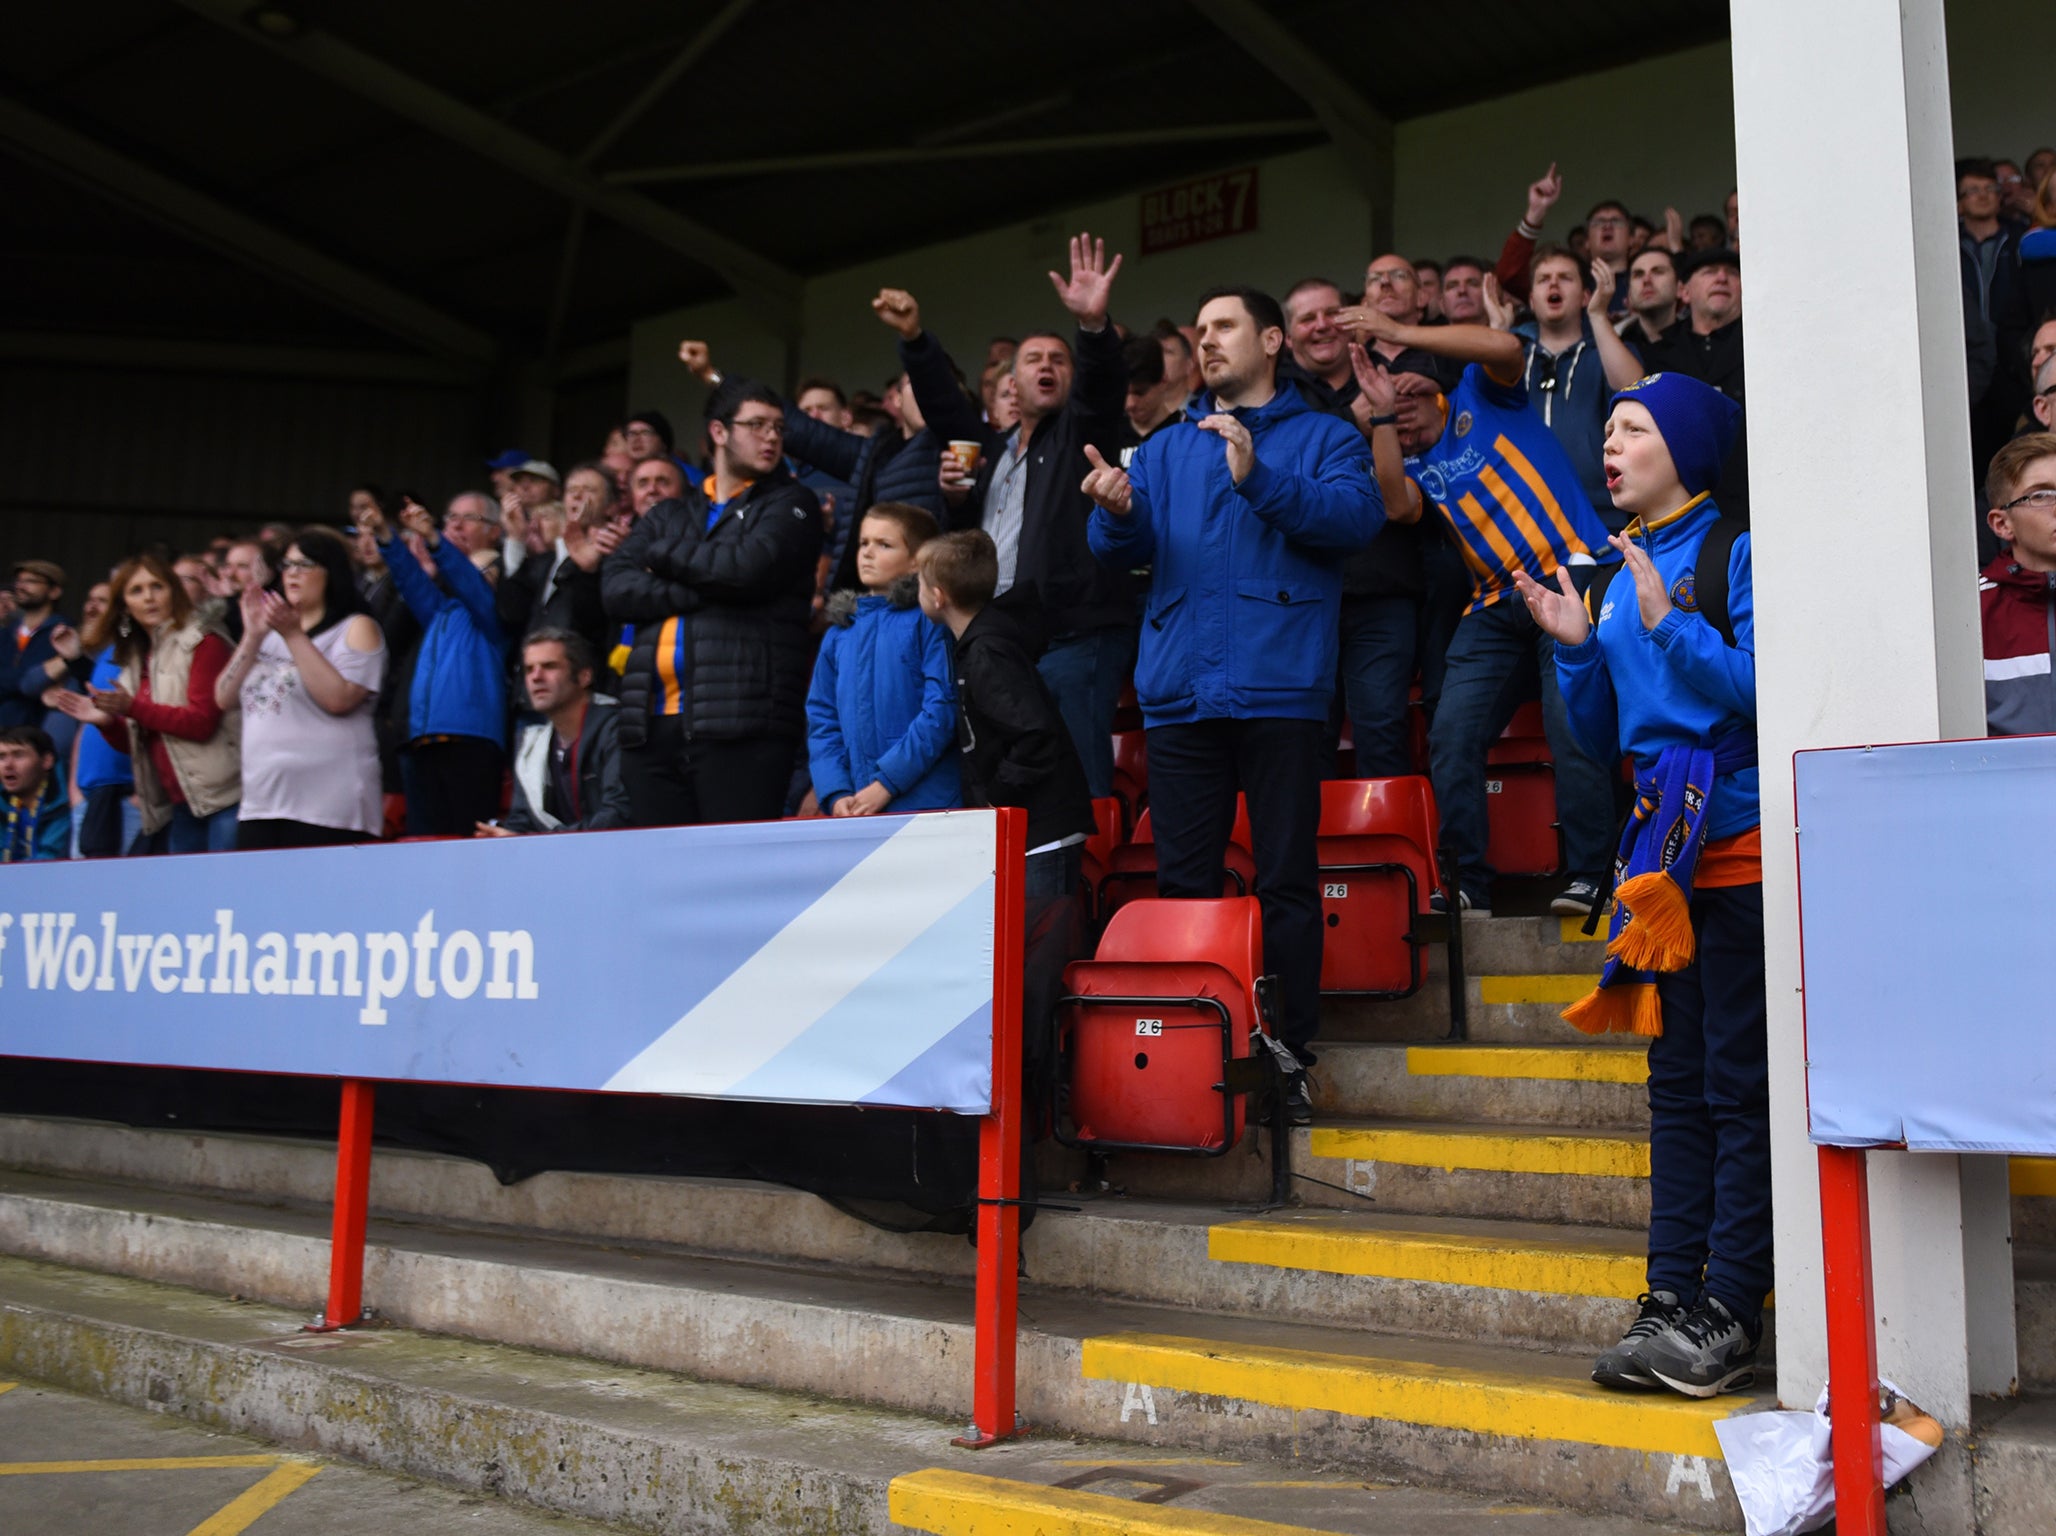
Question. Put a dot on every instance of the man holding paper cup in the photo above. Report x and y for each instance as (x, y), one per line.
(1023, 489)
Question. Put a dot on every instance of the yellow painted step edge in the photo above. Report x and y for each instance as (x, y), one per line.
(1592, 1156)
(1571, 930)
(1552, 1063)
(1561, 990)
(967, 1504)
(2033, 1176)
(1435, 1257)
(1480, 1402)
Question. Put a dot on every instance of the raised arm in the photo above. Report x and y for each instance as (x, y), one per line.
(1621, 364)
(1499, 351)
(1519, 250)
(1375, 400)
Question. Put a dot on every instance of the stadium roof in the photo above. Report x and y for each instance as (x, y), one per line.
(460, 184)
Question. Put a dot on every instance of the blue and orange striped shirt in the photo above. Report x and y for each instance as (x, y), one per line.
(1502, 481)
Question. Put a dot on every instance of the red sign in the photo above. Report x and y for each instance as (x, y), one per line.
(1207, 208)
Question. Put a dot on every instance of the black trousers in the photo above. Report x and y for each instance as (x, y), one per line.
(675, 782)
(1194, 772)
(278, 832)
(452, 785)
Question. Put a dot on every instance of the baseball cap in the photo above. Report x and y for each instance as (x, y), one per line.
(537, 467)
(49, 570)
(508, 458)
(1718, 256)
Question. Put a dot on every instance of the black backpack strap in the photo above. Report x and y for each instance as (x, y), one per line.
(1710, 574)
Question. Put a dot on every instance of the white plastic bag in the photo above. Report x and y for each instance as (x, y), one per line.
(1782, 1466)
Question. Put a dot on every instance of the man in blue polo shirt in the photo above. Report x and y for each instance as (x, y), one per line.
(1247, 512)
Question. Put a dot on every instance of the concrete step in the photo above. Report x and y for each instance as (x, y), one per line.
(2034, 1200)
(1524, 1008)
(2013, 1468)
(1486, 1418)
(1517, 946)
(650, 1451)
(1586, 1085)
(2034, 1315)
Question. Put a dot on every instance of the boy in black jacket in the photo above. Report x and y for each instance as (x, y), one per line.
(1016, 750)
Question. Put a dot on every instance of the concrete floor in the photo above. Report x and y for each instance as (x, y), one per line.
(275, 1495)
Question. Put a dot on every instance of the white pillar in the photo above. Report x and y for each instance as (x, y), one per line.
(1865, 574)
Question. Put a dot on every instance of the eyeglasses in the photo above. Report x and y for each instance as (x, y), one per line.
(1607, 221)
(763, 426)
(2042, 500)
(1390, 279)
(290, 564)
(463, 517)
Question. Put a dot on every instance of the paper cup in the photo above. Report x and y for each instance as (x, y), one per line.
(966, 453)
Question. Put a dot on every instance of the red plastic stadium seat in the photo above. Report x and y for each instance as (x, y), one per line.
(1098, 854)
(1132, 871)
(1152, 1021)
(1131, 775)
(1520, 798)
(1127, 711)
(1377, 851)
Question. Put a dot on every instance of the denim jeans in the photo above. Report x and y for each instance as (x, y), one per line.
(1496, 651)
(1442, 605)
(1377, 663)
(187, 833)
(1709, 1113)
(1087, 673)
(1194, 772)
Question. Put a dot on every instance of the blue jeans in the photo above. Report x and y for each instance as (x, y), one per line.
(1489, 664)
(1709, 1114)
(187, 833)
(1086, 673)
(1377, 665)
(1442, 605)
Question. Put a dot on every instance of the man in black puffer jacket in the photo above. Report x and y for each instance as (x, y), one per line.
(719, 587)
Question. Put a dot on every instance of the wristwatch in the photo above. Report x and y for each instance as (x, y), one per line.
(1384, 421)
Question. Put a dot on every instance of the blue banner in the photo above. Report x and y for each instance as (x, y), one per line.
(1927, 903)
(841, 961)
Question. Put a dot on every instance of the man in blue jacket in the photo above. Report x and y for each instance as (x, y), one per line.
(1247, 513)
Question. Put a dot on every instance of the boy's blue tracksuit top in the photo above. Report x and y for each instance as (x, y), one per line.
(1629, 689)
(883, 706)
(460, 671)
(1246, 598)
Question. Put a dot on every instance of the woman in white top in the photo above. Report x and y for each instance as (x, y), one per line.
(308, 674)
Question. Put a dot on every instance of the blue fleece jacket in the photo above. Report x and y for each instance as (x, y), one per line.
(883, 706)
(459, 672)
(1245, 604)
(1635, 690)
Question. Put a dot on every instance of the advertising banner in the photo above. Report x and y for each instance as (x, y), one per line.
(841, 961)
(1926, 907)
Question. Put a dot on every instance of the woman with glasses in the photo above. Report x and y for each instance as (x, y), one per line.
(306, 678)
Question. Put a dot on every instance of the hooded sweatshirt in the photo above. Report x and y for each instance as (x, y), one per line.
(883, 704)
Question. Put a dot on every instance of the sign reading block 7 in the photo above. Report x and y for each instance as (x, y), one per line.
(1205, 208)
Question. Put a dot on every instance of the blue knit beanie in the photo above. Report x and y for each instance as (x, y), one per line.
(1697, 421)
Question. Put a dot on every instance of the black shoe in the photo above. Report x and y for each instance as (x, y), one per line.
(1623, 1365)
(1709, 1352)
(1577, 900)
(1438, 903)
(1299, 1099)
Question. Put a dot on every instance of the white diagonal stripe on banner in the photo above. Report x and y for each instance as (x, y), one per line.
(913, 880)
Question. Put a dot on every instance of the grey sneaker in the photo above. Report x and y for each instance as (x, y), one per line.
(1299, 1099)
(1577, 900)
(1623, 1365)
(1709, 1352)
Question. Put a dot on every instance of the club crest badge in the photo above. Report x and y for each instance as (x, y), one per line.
(1463, 423)
(1685, 593)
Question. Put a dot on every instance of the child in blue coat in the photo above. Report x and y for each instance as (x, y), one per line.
(882, 711)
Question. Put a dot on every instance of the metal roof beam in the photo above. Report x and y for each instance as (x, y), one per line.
(164, 201)
(1359, 129)
(846, 159)
(665, 78)
(170, 354)
(767, 287)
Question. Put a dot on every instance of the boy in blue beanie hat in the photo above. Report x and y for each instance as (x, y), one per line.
(1649, 675)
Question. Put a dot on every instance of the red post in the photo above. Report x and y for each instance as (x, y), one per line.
(353, 1199)
(999, 1154)
(1852, 1342)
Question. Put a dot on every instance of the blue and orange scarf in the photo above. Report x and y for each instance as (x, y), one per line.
(1652, 886)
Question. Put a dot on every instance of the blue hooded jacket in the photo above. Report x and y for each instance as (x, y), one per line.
(883, 705)
(460, 671)
(1246, 601)
(1636, 690)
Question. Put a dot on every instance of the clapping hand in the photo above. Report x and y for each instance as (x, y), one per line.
(65, 641)
(898, 309)
(1108, 484)
(1603, 284)
(256, 616)
(1560, 614)
(1650, 595)
(80, 708)
(1500, 306)
(114, 701)
(1374, 385)
(280, 615)
(1241, 447)
(418, 520)
(1092, 280)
